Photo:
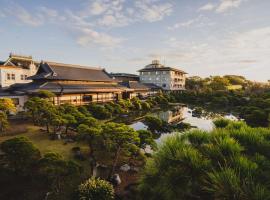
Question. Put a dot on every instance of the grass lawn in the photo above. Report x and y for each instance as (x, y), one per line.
(44, 144)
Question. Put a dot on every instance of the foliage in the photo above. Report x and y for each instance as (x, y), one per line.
(46, 94)
(154, 124)
(3, 122)
(57, 170)
(118, 138)
(146, 138)
(95, 189)
(221, 122)
(20, 154)
(7, 105)
(99, 111)
(228, 163)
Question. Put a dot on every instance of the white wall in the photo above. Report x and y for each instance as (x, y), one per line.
(4, 70)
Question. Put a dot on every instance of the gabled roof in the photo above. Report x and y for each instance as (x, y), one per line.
(18, 61)
(65, 88)
(124, 75)
(60, 71)
(135, 85)
(156, 66)
(161, 69)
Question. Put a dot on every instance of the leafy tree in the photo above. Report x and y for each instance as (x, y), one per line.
(20, 154)
(154, 124)
(90, 134)
(119, 137)
(46, 94)
(146, 138)
(3, 122)
(95, 189)
(57, 170)
(69, 120)
(99, 111)
(7, 105)
(228, 163)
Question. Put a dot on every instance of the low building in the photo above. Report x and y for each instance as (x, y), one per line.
(139, 89)
(168, 78)
(72, 84)
(16, 69)
(122, 77)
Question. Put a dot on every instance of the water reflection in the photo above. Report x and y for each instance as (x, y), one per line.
(180, 114)
(173, 116)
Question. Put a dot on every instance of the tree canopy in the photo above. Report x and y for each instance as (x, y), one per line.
(229, 163)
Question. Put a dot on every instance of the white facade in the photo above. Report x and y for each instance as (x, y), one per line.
(16, 70)
(11, 75)
(165, 77)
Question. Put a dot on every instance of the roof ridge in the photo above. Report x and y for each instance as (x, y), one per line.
(73, 65)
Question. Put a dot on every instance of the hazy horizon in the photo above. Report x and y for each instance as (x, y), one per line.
(201, 37)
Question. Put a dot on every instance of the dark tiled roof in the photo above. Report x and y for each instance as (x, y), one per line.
(152, 86)
(59, 71)
(135, 85)
(65, 88)
(161, 69)
(124, 75)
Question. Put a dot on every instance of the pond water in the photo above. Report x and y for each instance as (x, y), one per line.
(185, 114)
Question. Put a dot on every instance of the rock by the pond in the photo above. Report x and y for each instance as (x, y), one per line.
(125, 168)
(116, 179)
(134, 169)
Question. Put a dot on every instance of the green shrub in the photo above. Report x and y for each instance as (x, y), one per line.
(95, 189)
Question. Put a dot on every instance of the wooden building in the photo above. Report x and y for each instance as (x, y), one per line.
(73, 84)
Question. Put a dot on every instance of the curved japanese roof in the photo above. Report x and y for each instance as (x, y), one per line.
(60, 71)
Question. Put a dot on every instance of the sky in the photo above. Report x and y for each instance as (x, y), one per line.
(201, 37)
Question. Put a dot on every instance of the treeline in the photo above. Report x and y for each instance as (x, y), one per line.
(251, 102)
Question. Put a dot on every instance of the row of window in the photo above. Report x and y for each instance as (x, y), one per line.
(161, 72)
(157, 78)
(154, 73)
(13, 77)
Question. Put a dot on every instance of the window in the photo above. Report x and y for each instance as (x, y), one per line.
(25, 77)
(22, 77)
(13, 76)
(8, 77)
(87, 98)
(157, 72)
(15, 101)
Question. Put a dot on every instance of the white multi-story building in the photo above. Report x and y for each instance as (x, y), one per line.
(168, 78)
(16, 69)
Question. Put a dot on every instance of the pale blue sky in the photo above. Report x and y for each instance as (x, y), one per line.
(202, 37)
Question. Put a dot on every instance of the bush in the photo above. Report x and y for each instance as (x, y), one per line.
(223, 164)
(99, 111)
(154, 124)
(221, 122)
(145, 106)
(96, 189)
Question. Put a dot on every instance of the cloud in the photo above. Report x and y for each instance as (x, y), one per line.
(151, 12)
(226, 5)
(200, 21)
(23, 15)
(207, 7)
(98, 8)
(223, 6)
(48, 11)
(89, 36)
(242, 52)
